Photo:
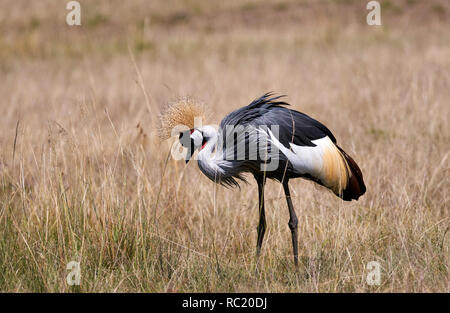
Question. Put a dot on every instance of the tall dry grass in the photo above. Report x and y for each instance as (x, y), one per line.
(83, 176)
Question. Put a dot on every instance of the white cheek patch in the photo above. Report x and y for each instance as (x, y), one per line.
(197, 137)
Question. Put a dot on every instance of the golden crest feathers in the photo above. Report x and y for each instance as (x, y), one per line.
(181, 112)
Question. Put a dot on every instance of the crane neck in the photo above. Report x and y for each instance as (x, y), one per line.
(210, 161)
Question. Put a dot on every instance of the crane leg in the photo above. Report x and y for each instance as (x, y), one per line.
(262, 216)
(293, 221)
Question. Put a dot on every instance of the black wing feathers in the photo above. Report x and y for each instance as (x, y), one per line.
(294, 126)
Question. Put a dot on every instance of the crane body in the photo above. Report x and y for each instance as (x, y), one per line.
(255, 137)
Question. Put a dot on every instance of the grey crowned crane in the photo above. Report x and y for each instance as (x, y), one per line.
(297, 144)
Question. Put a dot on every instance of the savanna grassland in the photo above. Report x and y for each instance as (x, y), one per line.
(84, 177)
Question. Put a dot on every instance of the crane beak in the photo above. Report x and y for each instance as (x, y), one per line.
(187, 142)
(190, 152)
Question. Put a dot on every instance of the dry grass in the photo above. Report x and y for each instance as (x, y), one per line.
(85, 177)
